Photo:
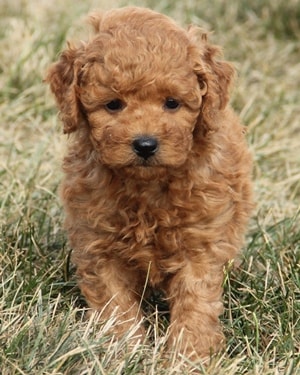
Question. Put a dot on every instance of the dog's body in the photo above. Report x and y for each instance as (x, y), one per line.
(157, 177)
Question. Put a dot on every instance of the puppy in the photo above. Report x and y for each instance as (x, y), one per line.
(157, 188)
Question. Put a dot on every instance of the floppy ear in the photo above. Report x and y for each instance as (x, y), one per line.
(62, 77)
(216, 74)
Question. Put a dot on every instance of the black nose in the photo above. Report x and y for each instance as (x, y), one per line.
(145, 146)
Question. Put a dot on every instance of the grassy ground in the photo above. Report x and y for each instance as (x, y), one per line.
(42, 330)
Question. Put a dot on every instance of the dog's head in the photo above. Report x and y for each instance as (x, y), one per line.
(141, 86)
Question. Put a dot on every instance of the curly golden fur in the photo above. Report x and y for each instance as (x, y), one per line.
(157, 185)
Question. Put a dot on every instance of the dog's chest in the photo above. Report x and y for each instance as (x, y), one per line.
(152, 241)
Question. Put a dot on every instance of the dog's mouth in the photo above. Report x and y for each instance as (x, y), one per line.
(144, 171)
(147, 163)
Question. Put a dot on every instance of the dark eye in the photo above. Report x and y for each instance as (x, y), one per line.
(171, 104)
(114, 105)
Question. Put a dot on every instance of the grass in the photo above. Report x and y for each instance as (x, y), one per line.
(42, 325)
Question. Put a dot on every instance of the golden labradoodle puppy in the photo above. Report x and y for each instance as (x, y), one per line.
(157, 186)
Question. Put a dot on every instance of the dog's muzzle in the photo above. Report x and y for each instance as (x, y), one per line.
(145, 146)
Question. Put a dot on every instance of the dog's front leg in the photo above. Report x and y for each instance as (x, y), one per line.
(195, 302)
(110, 291)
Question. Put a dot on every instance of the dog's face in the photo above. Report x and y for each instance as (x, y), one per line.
(140, 87)
(141, 115)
